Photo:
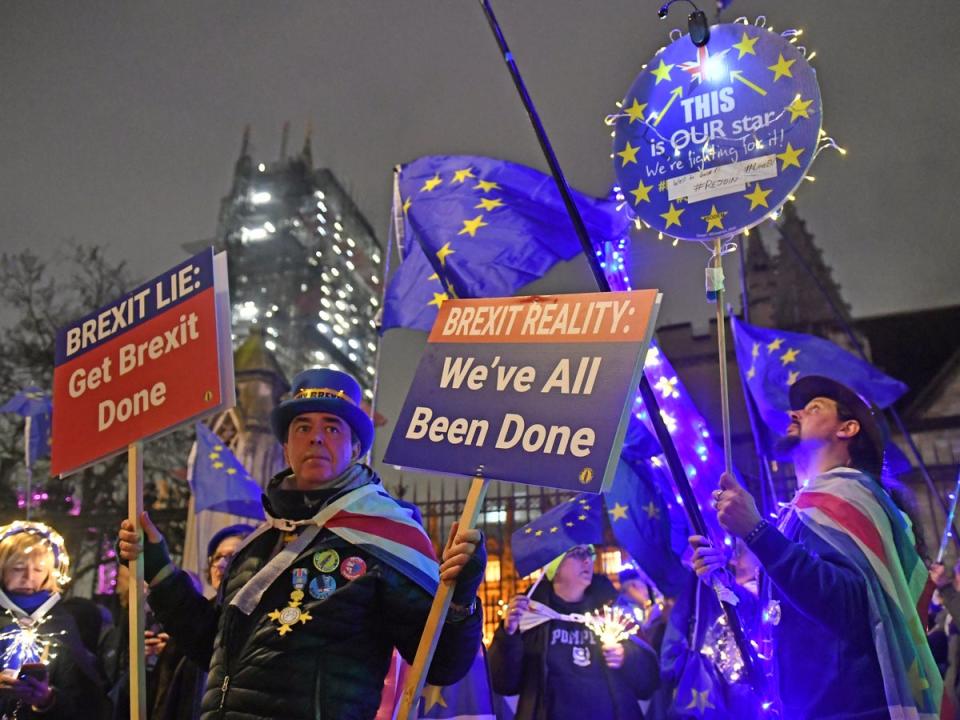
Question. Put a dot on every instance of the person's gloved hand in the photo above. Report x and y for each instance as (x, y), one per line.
(156, 556)
(464, 560)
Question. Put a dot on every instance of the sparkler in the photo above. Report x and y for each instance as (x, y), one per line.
(612, 625)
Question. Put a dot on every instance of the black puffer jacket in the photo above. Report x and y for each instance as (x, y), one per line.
(331, 666)
(518, 663)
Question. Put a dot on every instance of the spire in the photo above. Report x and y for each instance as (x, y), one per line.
(253, 357)
(307, 152)
(245, 145)
(283, 140)
(800, 304)
(761, 283)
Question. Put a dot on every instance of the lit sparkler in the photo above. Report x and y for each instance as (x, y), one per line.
(612, 625)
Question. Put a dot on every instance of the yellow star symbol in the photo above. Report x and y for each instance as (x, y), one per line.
(618, 512)
(434, 277)
(758, 197)
(213, 455)
(489, 203)
(231, 471)
(782, 68)
(461, 175)
(443, 252)
(700, 700)
(775, 345)
(569, 524)
(431, 183)
(755, 350)
(662, 73)
(629, 154)
(486, 186)
(635, 111)
(581, 517)
(917, 684)
(651, 510)
(714, 219)
(799, 108)
(672, 216)
(218, 447)
(641, 193)
(745, 46)
(585, 506)
(789, 356)
(751, 373)
(554, 529)
(439, 299)
(538, 533)
(792, 377)
(470, 227)
(433, 695)
(217, 465)
(528, 531)
(406, 205)
(790, 157)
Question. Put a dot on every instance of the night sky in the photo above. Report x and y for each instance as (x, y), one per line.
(120, 122)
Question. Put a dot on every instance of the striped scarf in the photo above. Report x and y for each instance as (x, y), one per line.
(848, 510)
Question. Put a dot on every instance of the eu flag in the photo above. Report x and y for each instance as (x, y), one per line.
(33, 404)
(575, 522)
(220, 481)
(467, 699)
(641, 519)
(772, 360)
(486, 227)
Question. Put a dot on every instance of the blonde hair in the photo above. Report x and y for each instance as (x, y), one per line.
(22, 545)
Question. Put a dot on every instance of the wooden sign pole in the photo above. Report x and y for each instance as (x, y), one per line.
(135, 603)
(417, 676)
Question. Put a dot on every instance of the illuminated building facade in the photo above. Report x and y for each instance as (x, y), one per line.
(305, 265)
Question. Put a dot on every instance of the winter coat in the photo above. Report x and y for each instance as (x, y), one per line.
(518, 663)
(330, 665)
(823, 645)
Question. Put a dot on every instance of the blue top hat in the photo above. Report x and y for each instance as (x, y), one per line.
(325, 391)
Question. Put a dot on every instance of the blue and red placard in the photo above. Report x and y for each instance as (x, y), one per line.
(712, 140)
(142, 365)
(534, 390)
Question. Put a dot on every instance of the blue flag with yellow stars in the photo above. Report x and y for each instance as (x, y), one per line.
(644, 525)
(35, 404)
(574, 522)
(220, 481)
(486, 228)
(467, 699)
(772, 360)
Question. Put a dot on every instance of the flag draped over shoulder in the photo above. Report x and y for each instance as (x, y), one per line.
(578, 521)
(848, 510)
(480, 227)
(33, 404)
(772, 360)
(220, 481)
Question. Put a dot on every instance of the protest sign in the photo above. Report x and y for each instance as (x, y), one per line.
(711, 140)
(144, 364)
(533, 390)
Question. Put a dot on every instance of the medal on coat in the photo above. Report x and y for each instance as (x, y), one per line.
(289, 616)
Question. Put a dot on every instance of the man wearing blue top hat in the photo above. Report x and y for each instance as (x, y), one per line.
(315, 599)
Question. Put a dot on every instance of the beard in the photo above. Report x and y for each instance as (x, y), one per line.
(784, 446)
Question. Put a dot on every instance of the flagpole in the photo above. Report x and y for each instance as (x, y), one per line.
(763, 463)
(417, 677)
(396, 218)
(26, 461)
(717, 277)
(851, 336)
(694, 515)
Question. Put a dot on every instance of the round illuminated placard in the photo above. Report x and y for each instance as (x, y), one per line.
(711, 140)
